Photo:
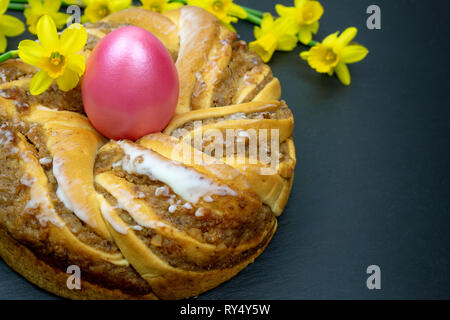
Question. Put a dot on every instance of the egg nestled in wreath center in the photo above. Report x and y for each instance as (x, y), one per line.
(130, 87)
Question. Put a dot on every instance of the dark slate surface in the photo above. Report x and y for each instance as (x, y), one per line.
(372, 181)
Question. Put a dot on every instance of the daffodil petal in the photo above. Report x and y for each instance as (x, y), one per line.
(47, 33)
(298, 3)
(330, 39)
(348, 35)
(304, 55)
(343, 73)
(30, 52)
(85, 19)
(264, 47)
(173, 6)
(116, 5)
(313, 27)
(257, 32)
(267, 22)
(3, 43)
(305, 36)
(73, 39)
(3, 6)
(11, 26)
(35, 3)
(60, 19)
(285, 26)
(353, 53)
(77, 63)
(197, 3)
(68, 80)
(237, 11)
(40, 82)
(52, 5)
(283, 11)
(287, 42)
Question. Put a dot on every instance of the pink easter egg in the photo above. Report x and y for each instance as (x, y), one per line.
(130, 87)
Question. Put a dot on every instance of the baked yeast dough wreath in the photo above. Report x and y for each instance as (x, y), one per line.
(138, 220)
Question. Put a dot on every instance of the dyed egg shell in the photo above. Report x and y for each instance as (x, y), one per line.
(130, 87)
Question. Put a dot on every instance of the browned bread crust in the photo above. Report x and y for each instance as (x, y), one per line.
(68, 196)
(49, 278)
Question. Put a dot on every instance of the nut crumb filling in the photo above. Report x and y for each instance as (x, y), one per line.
(170, 251)
(242, 61)
(280, 113)
(207, 220)
(204, 227)
(20, 219)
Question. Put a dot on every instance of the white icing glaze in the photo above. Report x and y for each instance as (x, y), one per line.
(62, 197)
(6, 137)
(39, 197)
(208, 199)
(107, 212)
(141, 195)
(200, 212)
(238, 115)
(136, 227)
(117, 164)
(162, 191)
(117, 223)
(186, 33)
(173, 208)
(188, 206)
(184, 181)
(80, 209)
(27, 181)
(126, 201)
(41, 107)
(45, 161)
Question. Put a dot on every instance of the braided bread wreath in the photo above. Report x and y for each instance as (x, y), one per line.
(138, 222)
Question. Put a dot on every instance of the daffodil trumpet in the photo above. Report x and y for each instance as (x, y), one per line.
(9, 55)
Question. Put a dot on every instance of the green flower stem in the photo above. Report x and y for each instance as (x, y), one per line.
(253, 19)
(16, 6)
(9, 55)
(254, 12)
(312, 43)
(254, 16)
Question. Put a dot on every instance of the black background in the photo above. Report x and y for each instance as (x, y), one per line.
(372, 182)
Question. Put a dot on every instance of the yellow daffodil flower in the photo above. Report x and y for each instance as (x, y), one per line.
(38, 8)
(56, 56)
(160, 6)
(225, 10)
(9, 25)
(273, 35)
(98, 9)
(334, 53)
(305, 16)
